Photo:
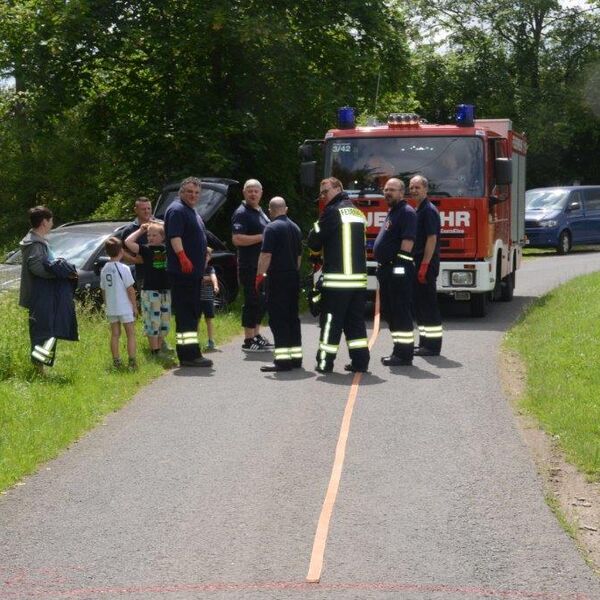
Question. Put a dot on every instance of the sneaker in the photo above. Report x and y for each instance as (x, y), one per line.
(210, 346)
(117, 363)
(323, 370)
(132, 364)
(264, 342)
(253, 345)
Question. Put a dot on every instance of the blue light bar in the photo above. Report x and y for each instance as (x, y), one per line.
(465, 115)
(346, 118)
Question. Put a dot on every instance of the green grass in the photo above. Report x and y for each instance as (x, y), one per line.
(534, 252)
(559, 340)
(42, 415)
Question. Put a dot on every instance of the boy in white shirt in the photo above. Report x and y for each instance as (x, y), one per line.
(116, 282)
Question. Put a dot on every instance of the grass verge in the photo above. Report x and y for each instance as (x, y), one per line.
(40, 416)
(558, 339)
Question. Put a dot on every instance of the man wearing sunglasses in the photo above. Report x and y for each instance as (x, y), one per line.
(339, 235)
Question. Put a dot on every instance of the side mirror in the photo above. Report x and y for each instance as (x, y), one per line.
(503, 168)
(99, 263)
(575, 205)
(306, 152)
(308, 174)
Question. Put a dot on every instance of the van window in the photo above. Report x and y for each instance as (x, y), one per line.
(592, 200)
(546, 199)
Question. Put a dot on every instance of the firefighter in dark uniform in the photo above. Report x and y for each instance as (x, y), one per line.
(396, 272)
(278, 270)
(247, 225)
(186, 255)
(340, 235)
(427, 265)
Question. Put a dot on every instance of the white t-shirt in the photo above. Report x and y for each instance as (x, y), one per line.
(115, 278)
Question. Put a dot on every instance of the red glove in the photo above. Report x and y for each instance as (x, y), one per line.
(186, 264)
(422, 274)
(259, 281)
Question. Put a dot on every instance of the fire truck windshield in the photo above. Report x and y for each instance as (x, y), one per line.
(453, 165)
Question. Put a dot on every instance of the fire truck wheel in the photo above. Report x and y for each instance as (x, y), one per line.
(508, 287)
(479, 305)
(564, 242)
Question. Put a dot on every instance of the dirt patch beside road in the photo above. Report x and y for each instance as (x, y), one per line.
(577, 498)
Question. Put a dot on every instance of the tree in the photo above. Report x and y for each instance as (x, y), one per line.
(139, 92)
(525, 60)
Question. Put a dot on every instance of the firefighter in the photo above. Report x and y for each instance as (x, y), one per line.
(186, 255)
(247, 225)
(396, 272)
(427, 265)
(278, 269)
(340, 235)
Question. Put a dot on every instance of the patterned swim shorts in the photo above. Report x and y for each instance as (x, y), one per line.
(156, 310)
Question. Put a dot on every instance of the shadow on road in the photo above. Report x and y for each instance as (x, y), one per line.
(193, 372)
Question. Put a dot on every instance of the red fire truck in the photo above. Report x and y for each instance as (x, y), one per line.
(476, 174)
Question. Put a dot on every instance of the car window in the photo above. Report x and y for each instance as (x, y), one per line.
(546, 199)
(76, 248)
(592, 200)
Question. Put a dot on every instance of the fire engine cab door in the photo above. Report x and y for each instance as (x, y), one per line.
(458, 238)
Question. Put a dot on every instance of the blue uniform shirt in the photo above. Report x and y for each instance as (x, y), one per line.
(400, 224)
(248, 221)
(184, 222)
(428, 223)
(282, 239)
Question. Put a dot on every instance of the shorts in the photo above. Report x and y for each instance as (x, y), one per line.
(207, 308)
(156, 312)
(128, 318)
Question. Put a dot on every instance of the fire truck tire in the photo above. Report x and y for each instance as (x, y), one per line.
(497, 291)
(479, 305)
(564, 242)
(507, 291)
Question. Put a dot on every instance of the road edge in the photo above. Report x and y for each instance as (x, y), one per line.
(574, 500)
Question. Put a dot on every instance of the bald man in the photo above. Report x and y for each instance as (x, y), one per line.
(279, 272)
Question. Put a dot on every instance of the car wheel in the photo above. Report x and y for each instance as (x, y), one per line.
(564, 242)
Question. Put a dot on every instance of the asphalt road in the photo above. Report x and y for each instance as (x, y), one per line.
(210, 484)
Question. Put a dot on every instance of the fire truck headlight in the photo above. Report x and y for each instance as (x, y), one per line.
(462, 278)
(549, 223)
